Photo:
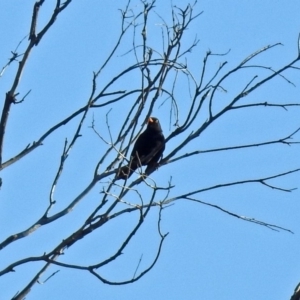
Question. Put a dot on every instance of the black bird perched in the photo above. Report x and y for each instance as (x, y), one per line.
(147, 150)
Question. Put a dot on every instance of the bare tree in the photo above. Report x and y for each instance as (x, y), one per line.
(160, 73)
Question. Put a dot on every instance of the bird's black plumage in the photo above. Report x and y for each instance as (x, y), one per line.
(147, 150)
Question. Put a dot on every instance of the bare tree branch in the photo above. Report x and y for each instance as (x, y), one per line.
(154, 76)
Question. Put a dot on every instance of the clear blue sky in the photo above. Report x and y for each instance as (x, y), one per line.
(208, 254)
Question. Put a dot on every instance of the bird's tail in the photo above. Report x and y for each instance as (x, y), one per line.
(126, 171)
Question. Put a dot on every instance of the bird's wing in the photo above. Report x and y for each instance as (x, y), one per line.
(157, 147)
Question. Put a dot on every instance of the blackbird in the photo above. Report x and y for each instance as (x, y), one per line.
(147, 150)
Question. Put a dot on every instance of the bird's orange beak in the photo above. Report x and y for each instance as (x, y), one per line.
(150, 120)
